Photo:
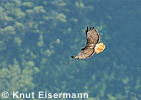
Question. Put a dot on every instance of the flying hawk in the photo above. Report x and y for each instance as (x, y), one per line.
(92, 45)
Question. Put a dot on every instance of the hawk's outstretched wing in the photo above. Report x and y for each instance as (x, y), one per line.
(92, 39)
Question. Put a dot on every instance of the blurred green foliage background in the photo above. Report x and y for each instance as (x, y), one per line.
(37, 38)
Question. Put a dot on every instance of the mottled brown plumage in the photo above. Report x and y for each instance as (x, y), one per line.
(92, 39)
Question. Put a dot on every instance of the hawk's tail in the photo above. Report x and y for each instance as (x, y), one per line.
(99, 48)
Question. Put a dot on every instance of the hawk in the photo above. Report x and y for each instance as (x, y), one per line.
(92, 45)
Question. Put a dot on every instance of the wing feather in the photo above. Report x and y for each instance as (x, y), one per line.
(92, 39)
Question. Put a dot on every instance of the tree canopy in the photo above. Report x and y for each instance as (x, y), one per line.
(37, 38)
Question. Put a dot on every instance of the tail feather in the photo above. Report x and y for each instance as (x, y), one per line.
(99, 48)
